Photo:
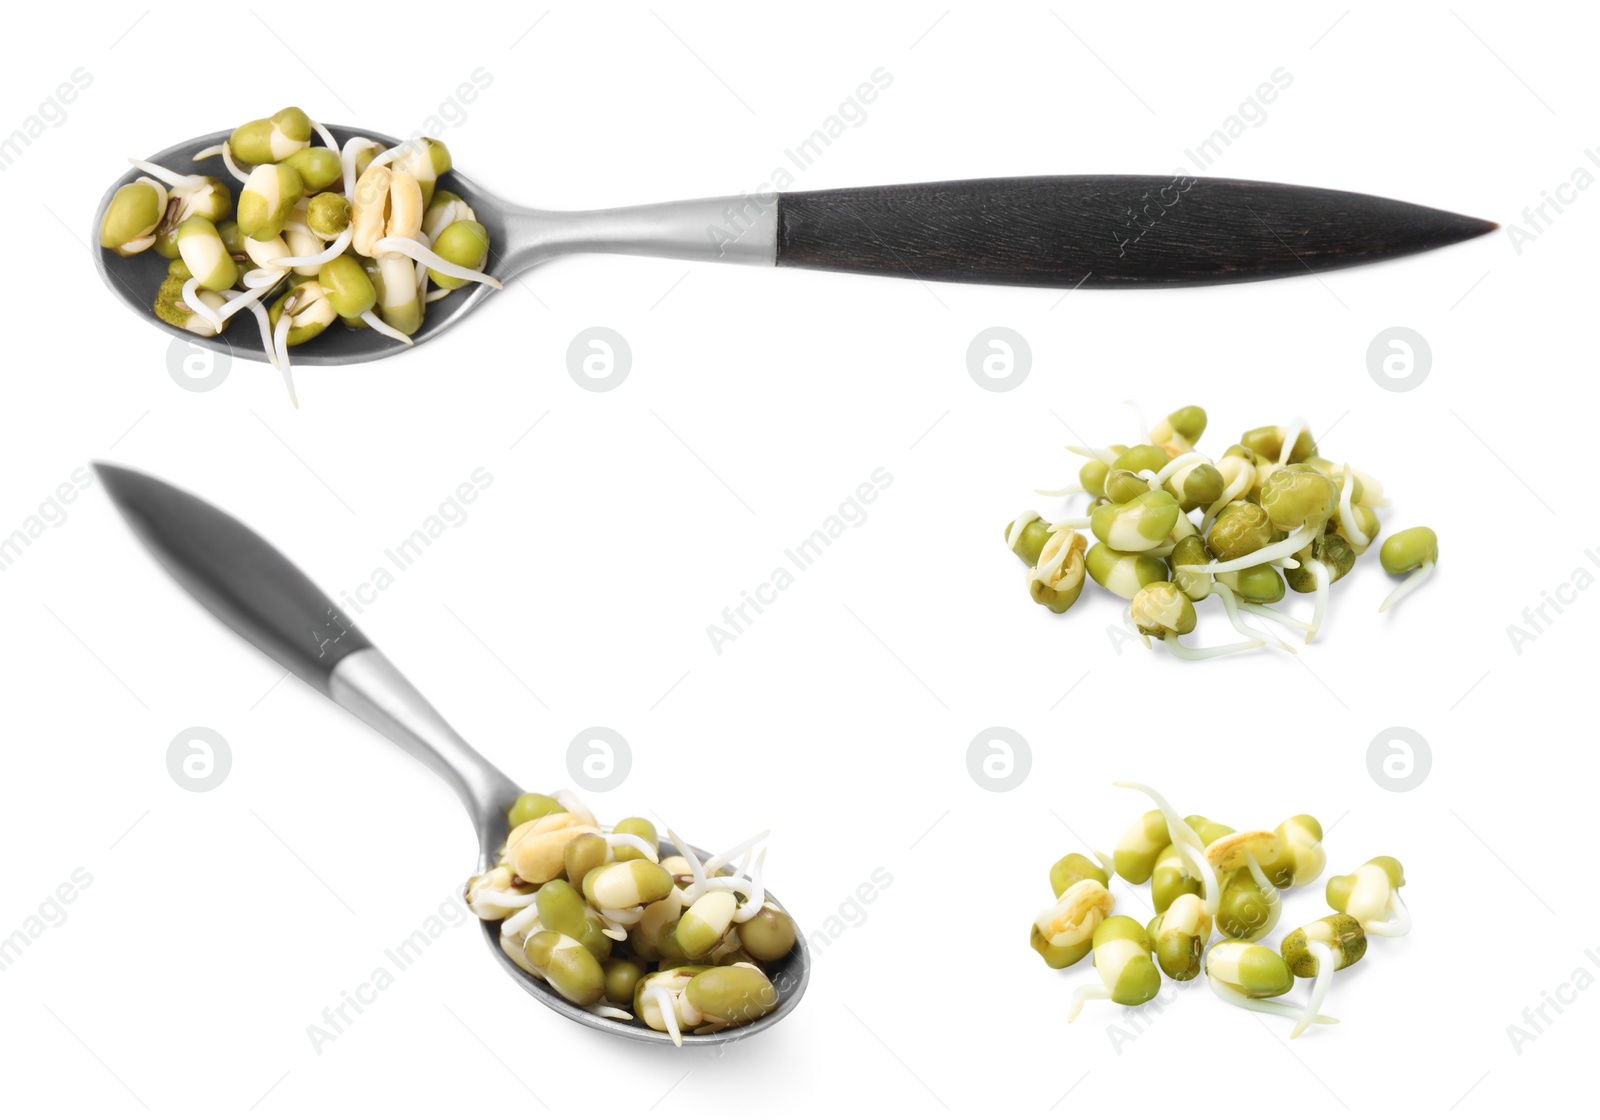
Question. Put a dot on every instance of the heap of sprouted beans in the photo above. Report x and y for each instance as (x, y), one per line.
(1273, 514)
(617, 928)
(1209, 880)
(320, 233)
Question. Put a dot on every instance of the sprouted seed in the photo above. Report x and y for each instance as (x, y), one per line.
(1319, 950)
(614, 927)
(359, 234)
(1216, 892)
(1410, 550)
(1371, 895)
(1172, 528)
(1122, 957)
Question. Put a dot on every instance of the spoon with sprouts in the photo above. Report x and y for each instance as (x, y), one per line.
(1058, 231)
(254, 588)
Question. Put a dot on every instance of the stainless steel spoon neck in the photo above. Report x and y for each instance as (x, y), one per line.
(368, 685)
(731, 229)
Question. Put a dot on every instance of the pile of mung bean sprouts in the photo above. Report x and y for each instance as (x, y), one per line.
(615, 927)
(320, 233)
(1210, 879)
(1272, 514)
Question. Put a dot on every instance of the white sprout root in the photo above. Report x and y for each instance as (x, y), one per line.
(1410, 584)
(756, 897)
(1296, 430)
(742, 850)
(1071, 523)
(1083, 995)
(1274, 614)
(696, 869)
(606, 1011)
(1323, 955)
(280, 344)
(1239, 485)
(1230, 603)
(1397, 926)
(615, 840)
(1138, 418)
(1347, 514)
(506, 899)
(1158, 478)
(1229, 994)
(174, 180)
(1176, 647)
(347, 164)
(419, 252)
(573, 804)
(521, 920)
(377, 324)
(191, 297)
(327, 137)
(262, 279)
(225, 150)
(1319, 573)
(1105, 454)
(1018, 524)
(388, 155)
(1283, 550)
(308, 265)
(239, 173)
(265, 323)
(1188, 844)
(251, 294)
(1065, 492)
(1271, 893)
(669, 1014)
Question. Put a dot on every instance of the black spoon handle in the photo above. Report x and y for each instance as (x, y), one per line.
(1103, 230)
(237, 575)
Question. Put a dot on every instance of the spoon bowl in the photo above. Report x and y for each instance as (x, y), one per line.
(789, 977)
(134, 279)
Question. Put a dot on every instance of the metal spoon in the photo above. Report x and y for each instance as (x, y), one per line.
(1071, 231)
(254, 588)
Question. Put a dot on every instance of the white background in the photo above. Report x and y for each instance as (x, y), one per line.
(578, 591)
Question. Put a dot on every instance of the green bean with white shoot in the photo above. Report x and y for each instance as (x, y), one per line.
(1216, 892)
(676, 942)
(1172, 528)
(359, 233)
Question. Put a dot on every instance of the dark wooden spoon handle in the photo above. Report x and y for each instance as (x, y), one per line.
(1103, 230)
